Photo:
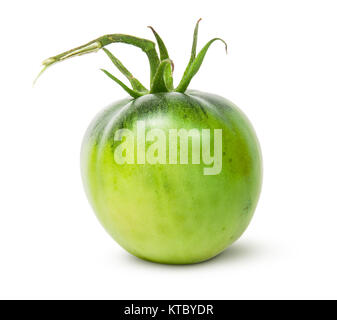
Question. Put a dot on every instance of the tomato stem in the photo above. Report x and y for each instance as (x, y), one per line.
(161, 69)
(146, 45)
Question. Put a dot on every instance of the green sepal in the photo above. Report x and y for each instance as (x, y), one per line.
(194, 45)
(195, 66)
(159, 84)
(194, 48)
(168, 78)
(136, 85)
(162, 48)
(131, 92)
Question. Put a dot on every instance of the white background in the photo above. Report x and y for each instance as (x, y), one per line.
(281, 70)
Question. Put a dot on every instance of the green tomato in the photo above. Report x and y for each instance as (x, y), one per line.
(174, 176)
(173, 213)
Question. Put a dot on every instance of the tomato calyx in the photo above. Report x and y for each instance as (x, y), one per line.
(161, 66)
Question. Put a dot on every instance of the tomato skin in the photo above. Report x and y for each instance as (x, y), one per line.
(173, 213)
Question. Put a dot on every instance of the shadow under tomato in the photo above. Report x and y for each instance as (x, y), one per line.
(238, 252)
